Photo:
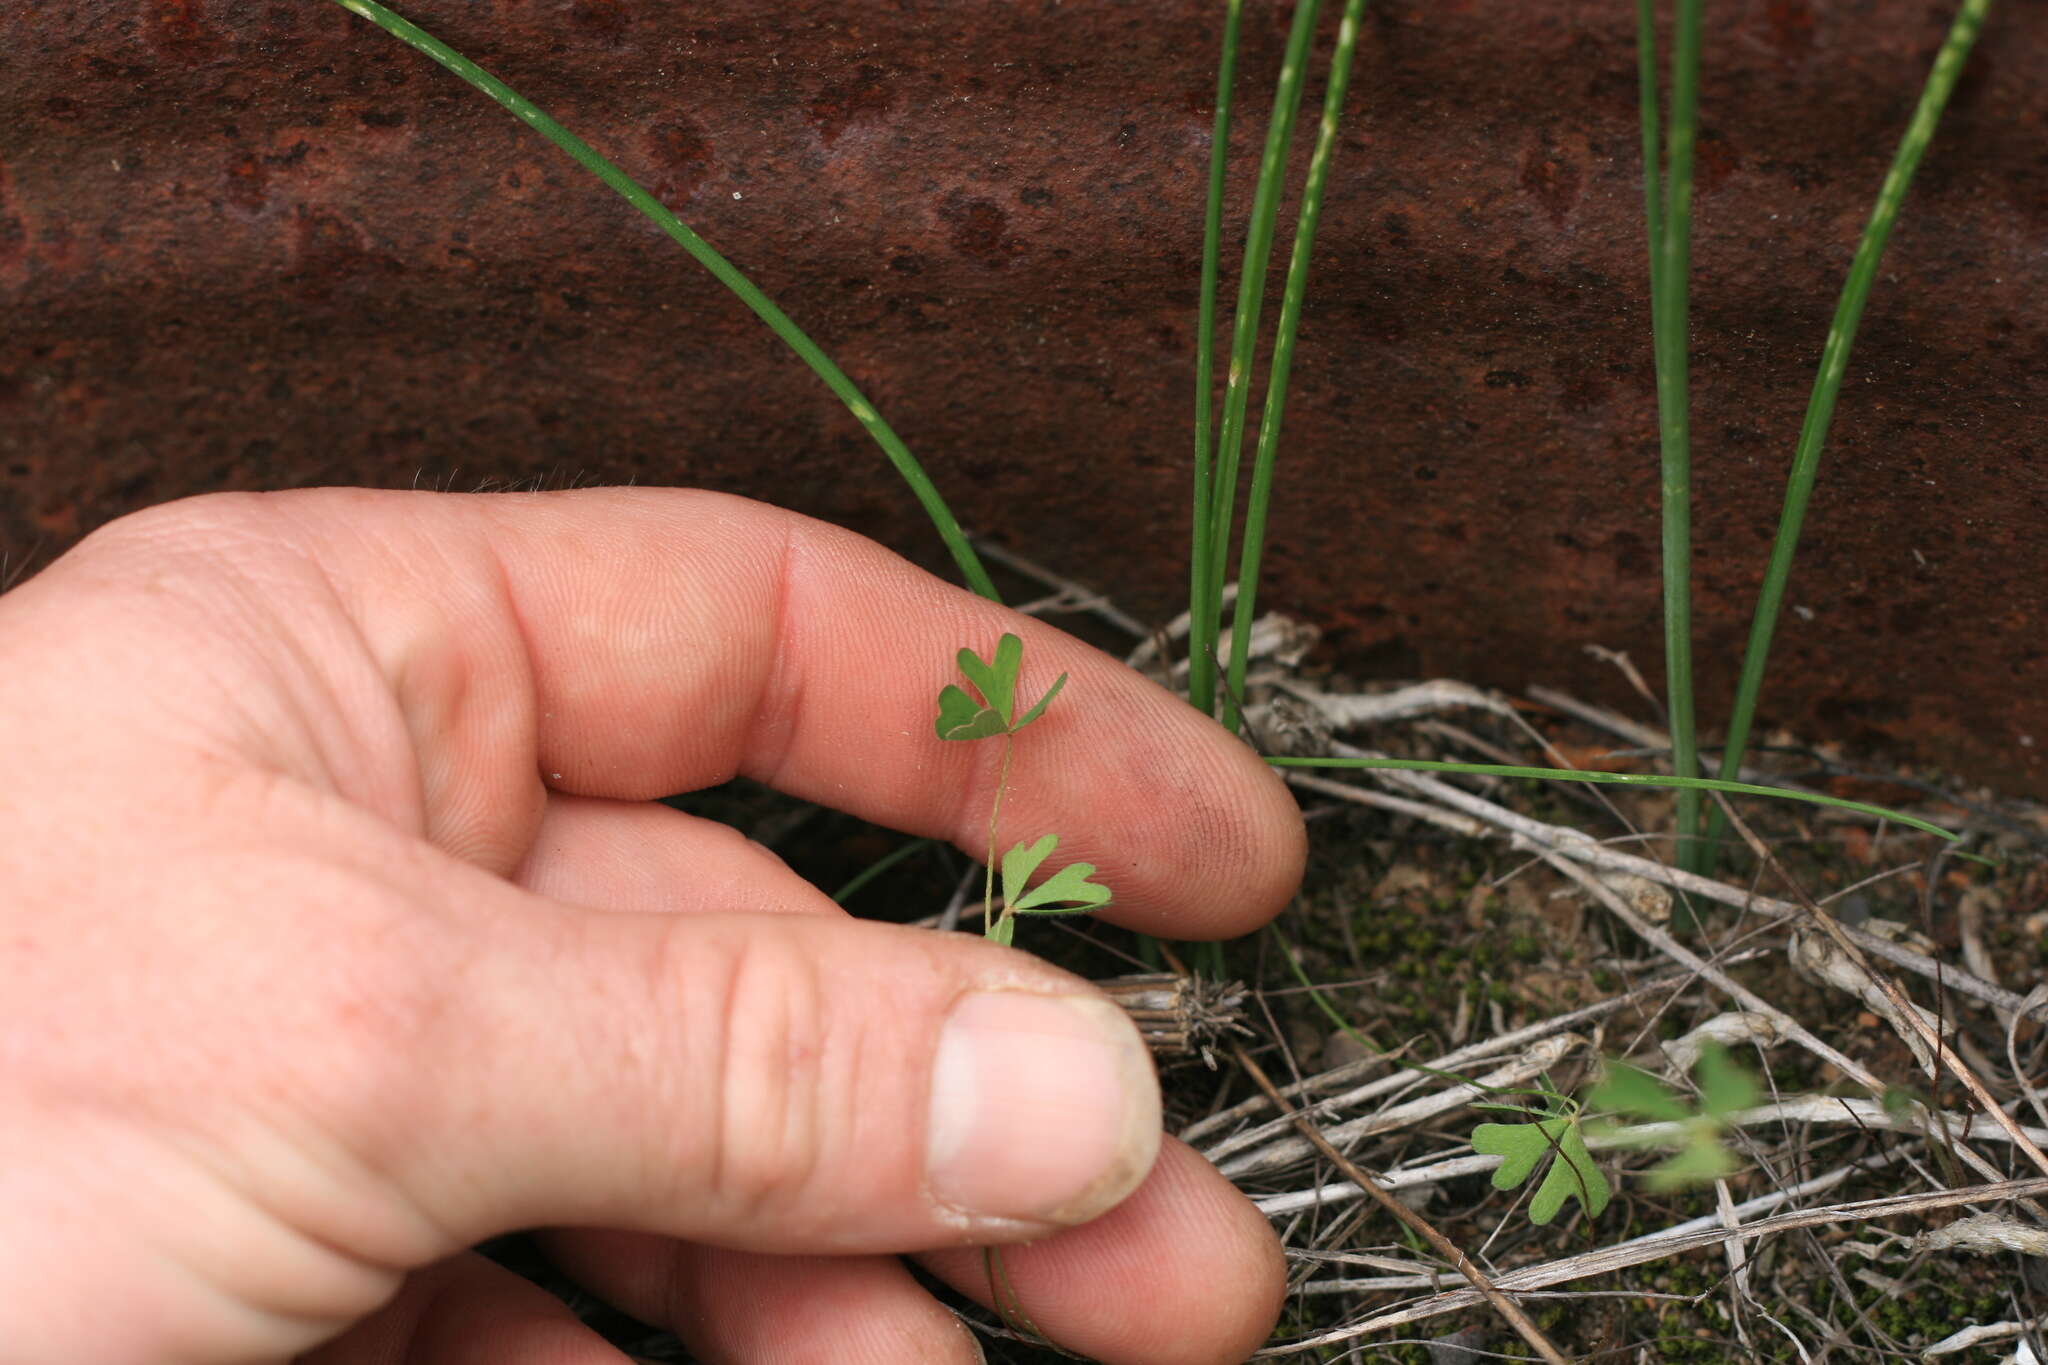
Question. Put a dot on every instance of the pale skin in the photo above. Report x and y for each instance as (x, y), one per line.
(341, 931)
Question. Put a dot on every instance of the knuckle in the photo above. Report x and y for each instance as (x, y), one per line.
(768, 1134)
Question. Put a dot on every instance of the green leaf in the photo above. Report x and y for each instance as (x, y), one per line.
(1518, 1145)
(1521, 1146)
(961, 717)
(1571, 1176)
(1900, 1102)
(1020, 862)
(1009, 657)
(1003, 930)
(1066, 892)
(1726, 1087)
(1038, 710)
(996, 681)
(1702, 1160)
(982, 675)
(1630, 1090)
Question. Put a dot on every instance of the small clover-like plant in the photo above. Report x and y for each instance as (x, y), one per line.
(1726, 1088)
(1556, 1129)
(987, 712)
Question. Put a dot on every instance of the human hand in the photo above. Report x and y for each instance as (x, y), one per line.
(342, 930)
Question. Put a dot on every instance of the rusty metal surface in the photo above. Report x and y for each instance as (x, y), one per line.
(262, 245)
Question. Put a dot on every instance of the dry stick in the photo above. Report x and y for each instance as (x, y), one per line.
(1678, 952)
(1076, 596)
(1530, 833)
(1642, 929)
(1283, 1151)
(1867, 1115)
(2012, 1057)
(1462, 1167)
(1907, 1013)
(1793, 1029)
(1580, 848)
(1658, 1245)
(1415, 1222)
(1450, 1061)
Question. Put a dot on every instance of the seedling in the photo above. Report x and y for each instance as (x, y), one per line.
(1554, 1128)
(1726, 1088)
(1557, 1127)
(991, 711)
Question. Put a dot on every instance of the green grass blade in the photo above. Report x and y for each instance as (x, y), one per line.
(1827, 384)
(1693, 784)
(1204, 591)
(1251, 287)
(721, 269)
(877, 868)
(1646, 90)
(1669, 324)
(1261, 497)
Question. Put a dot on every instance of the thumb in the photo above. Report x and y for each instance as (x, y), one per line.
(777, 1083)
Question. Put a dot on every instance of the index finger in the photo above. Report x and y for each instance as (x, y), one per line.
(672, 639)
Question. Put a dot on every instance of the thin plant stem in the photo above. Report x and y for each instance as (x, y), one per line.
(1827, 384)
(722, 270)
(1251, 287)
(1669, 278)
(1204, 592)
(1696, 784)
(1260, 500)
(995, 812)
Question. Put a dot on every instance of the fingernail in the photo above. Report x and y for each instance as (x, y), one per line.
(1044, 1108)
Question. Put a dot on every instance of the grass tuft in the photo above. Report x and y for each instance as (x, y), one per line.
(1827, 383)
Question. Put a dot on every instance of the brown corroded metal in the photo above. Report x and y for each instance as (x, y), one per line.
(262, 245)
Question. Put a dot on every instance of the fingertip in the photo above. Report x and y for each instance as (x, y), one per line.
(1184, 1272)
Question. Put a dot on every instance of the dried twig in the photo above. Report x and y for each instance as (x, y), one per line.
(1482, 1288)
(1537, 836)
(1450, 1061)
(1286, 1151)
(1908, 1017)
(1658, 1245)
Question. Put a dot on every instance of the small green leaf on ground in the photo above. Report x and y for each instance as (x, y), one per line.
(1630, 1090)
(1726, 1088)
(1521, 1146)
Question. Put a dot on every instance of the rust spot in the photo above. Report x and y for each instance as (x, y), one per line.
(602, 19)
(682, 160)
(1788, 27)
(248, 182)
(980, 229)
(178, 28)
(866, 95)
(13, 232)
(1581, 387)
(328, 250)
(1714, 160)
(1553, 178)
